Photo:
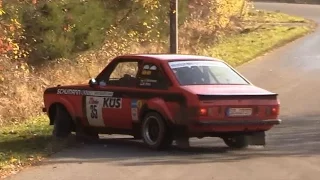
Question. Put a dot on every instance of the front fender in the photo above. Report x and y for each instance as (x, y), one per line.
(67, 104)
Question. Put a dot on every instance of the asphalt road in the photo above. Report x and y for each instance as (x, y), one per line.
(292, 153)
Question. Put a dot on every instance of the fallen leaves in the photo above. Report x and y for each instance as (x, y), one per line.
(23, 144)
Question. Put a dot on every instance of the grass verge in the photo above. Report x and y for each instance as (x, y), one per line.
(241, 48)
(273, 17)
(23, 144)
(28, 142)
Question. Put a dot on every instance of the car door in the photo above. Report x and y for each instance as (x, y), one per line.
(116, 109)
(152, 83)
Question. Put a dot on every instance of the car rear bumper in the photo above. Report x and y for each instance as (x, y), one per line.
(239, 122)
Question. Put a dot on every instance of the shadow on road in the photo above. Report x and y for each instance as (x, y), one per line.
(298, 136)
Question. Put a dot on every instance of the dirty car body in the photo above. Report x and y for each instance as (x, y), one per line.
(161, 97)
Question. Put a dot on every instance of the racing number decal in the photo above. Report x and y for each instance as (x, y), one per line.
(94, 111)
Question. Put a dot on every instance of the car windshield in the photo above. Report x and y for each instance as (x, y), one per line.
(205, 73)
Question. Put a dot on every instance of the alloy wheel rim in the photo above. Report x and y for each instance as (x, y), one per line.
(152, 131)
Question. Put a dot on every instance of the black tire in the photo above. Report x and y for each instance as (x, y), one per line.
(62, 123)
(237, 142)
(161, 137)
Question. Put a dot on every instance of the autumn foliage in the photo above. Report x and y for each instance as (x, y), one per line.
(45, 42)
(60, 29)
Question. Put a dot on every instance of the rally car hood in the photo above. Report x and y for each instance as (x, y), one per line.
(226, 90)
(77, 86)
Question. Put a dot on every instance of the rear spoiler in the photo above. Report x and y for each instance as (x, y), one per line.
(203, 97)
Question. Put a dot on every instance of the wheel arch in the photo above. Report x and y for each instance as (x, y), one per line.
(158, 105)
(52, 111)
(145, 109)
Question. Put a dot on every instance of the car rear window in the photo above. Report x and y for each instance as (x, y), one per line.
(205, 73)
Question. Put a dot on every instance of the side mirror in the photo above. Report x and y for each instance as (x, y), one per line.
(92, 82)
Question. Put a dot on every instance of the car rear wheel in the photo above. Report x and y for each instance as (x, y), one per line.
(237, 142)
(155, 133)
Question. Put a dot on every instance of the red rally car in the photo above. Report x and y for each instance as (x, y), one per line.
(164, 97)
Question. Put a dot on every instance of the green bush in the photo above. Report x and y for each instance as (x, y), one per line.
(57, 29)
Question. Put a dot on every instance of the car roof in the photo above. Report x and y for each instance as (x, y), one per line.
(172, 57)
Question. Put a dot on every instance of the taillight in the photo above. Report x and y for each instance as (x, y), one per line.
(203, 112)
(273, 110)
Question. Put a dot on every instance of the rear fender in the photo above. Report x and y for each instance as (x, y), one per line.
(158, 105)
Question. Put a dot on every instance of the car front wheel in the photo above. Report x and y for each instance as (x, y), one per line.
(155, 133)
(62, 122)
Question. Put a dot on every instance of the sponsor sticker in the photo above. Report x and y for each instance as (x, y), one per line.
(135, 107)
(179, 64)
(139, 104)
(134, 103)
(147, 82)
(94, 111)
(92, 100)
(134, 114)
(112, 102)
(79, 92)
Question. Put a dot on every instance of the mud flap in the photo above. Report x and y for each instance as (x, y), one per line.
(257, 139)
(181, 137)
(182, 142)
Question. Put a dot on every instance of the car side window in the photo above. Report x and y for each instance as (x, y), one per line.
(152, 77)
(124, 74)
